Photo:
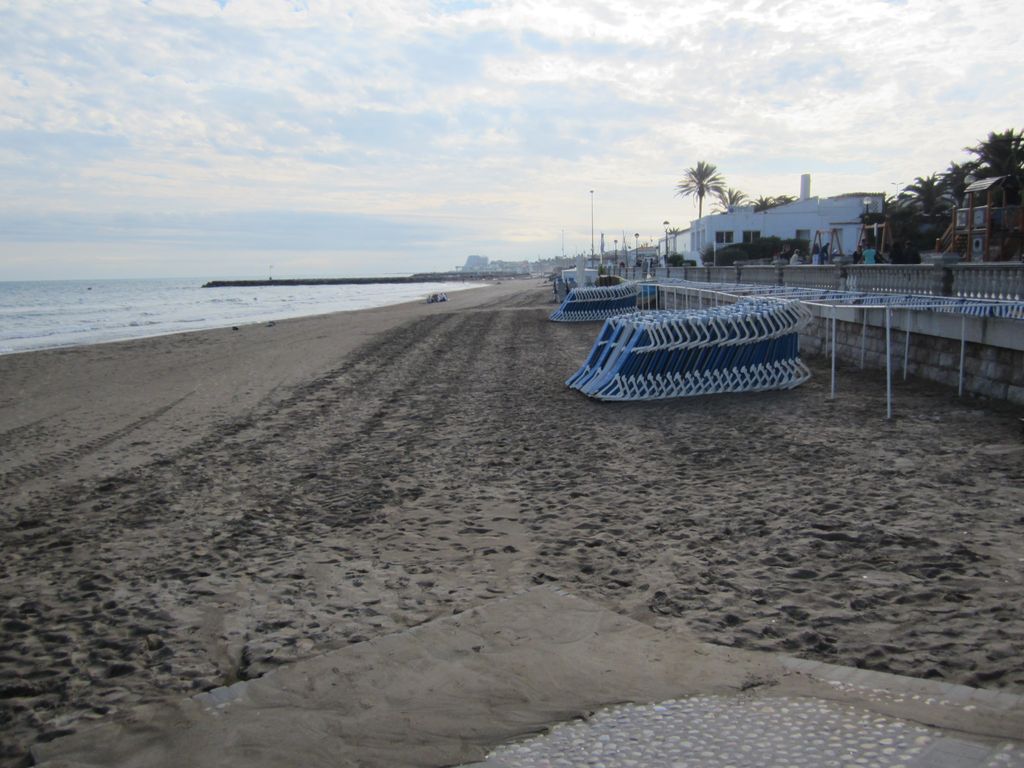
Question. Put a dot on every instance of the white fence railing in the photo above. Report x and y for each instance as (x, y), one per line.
(1004, 282)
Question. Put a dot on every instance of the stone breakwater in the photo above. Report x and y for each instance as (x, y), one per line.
(425, 277)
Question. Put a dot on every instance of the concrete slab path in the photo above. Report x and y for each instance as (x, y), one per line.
(455, 689)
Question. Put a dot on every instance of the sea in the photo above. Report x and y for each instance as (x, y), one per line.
(66, 313)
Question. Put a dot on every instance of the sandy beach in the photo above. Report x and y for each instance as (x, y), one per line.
(183, 512)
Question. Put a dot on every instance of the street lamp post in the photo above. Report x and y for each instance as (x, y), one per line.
(665, 224)
(864, 229)
(591, 226)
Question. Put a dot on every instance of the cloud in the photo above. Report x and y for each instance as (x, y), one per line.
(239, 230)
(497, 117)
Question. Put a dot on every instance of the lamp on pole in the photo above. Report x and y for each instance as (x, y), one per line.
(665, 224)
(864, 229)
(591, 226)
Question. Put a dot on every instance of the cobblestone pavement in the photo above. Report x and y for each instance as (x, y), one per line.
(737, 732)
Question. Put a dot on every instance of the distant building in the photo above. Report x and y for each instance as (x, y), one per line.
(833, 218)
(483, 264)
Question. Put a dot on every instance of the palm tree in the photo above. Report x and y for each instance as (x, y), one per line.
(730, 198)
(763, 203)
(1001, 154)
(927, 196)
(954, 180)
(699, 182)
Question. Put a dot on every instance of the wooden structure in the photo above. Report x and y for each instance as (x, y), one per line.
(877, 235)
(835, 242)
(988, 227)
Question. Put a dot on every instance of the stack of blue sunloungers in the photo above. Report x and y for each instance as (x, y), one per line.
(596, 303)
(750, 346)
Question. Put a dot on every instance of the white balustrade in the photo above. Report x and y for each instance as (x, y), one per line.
(812, 276)
(989, 281)
(760, 275)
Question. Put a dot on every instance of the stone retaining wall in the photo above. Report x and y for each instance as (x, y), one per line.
(988, 371)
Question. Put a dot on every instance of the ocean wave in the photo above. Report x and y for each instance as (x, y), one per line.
(49, 315)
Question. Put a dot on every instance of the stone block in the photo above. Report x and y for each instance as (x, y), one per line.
(1015, 394)
(999, 372)
(986, 388)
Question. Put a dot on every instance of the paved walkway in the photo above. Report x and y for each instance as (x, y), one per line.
(750, 732)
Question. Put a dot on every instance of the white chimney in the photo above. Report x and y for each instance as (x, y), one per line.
(805, 186)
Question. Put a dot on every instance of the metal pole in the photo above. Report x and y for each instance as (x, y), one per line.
(591, 226)
(906, 345)
(833, 395)
(863, 338)
(963, 352)
(888, 363)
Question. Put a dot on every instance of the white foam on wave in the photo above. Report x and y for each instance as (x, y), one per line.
(51, 314)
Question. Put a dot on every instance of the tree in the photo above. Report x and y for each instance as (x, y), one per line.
(954, 180)
(764, 203)
(926, 196)
(699, 182)
(1001, 154)
(730, 198)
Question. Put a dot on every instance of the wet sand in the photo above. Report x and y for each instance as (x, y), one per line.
(184, 512)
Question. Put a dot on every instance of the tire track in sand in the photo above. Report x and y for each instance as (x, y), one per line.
(52, 462)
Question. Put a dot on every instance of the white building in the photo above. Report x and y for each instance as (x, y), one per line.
(834, 220)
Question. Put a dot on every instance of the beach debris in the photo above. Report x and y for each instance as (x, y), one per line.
(749, 346)
(583, 305)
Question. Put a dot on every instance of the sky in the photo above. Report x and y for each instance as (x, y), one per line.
(224, 138)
